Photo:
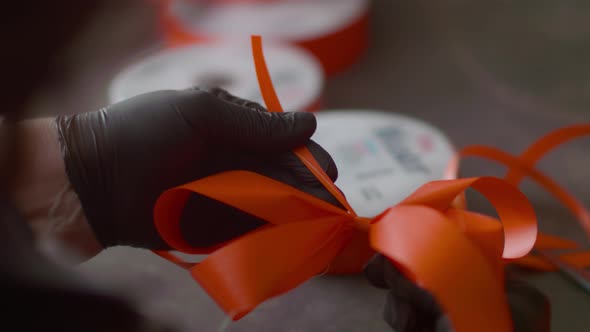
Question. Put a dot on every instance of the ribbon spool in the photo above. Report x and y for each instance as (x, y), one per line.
(299, 79)
(374, 149)
(335, 31)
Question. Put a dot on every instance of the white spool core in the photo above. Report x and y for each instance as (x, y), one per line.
(296, 75)
(381, 157)
(282, 20)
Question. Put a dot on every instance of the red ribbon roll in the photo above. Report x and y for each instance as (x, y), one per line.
(336, 50)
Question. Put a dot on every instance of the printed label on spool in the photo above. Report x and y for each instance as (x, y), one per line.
(296, 75)
(284, 20)
(381, 157)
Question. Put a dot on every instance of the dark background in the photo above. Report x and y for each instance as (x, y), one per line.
(501, 74)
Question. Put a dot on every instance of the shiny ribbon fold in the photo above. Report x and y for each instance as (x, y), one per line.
(335, 50)
(456, 254)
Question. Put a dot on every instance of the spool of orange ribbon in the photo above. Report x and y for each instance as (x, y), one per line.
(425, 235)
(335, 31)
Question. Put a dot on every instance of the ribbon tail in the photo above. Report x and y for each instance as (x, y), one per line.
(545, 145)
(547, 241)
(270, 262)
(431, 250)
(580, 260)
(534, 262)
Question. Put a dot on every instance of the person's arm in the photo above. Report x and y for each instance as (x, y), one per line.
(43, 193)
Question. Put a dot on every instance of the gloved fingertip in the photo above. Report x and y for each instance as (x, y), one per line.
(530, 308)
(403, 316)
(290, 129)
(374, 271)
(304, 123)
(443, 324)
(406, 316)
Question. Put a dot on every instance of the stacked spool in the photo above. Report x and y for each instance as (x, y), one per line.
(305, 41)
(297, 76)
(335, 31)
(382, 157)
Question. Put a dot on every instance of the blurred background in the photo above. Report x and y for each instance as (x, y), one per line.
(497, 73)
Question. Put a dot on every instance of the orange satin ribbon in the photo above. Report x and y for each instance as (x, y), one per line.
(519, 167)
(455, 254)
(336, 51)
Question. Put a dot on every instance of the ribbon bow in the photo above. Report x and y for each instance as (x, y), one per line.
(455, 254)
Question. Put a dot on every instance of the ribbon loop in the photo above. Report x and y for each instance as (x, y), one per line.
(269, 262)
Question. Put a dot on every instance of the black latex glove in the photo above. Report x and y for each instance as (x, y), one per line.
(409, 308)
(121, 158)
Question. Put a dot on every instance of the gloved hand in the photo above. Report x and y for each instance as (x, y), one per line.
(121, 158)
(409, 308)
